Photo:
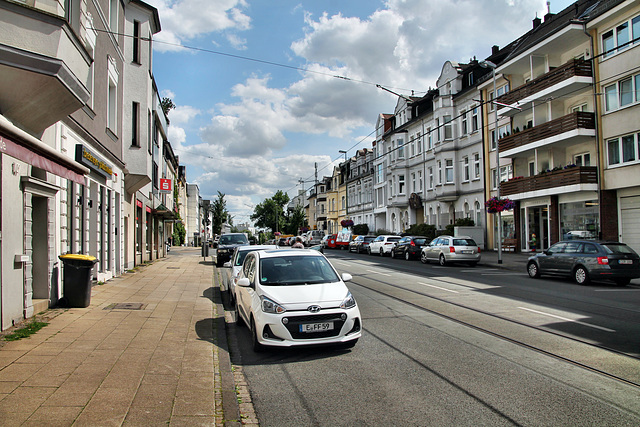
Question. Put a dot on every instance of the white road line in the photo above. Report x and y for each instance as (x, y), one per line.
(568, 320)
(617, 290)
(343, 263)
(377, 272)
(504, 273)
(438, 287)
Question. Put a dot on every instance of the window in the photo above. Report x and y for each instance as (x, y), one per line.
(466, 174)
(439, 172)
(577, 108)
(506, 173)
(476, 165)
(464, 123)
(400, 148)
(583, 159)
(622, 93)
(430, 178)
(474, 120)
(448, 171)
(413, 147)
(136, 42)
(420, 180)
(113, 16)
(413, 182)
(400, 184)
(419, 143)
(429, 139)
(112, 104)
(380, 174)
(448, 130)
(344, 203)
(135, 124)
(532, 168)
(619, 38)
(438, 130)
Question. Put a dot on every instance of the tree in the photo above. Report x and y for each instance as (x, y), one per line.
(167, 105)
(296, 220)
(270, 213)
(360, 229)
(219, 213)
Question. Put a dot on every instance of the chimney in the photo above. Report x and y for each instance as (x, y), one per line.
(548, 16)
(536, 22)
(495, 49)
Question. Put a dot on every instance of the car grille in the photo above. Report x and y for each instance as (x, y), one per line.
(295, 321)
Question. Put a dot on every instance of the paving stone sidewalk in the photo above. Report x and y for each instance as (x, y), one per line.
(145, 352)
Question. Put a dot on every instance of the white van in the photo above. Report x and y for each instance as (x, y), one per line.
(313, 237)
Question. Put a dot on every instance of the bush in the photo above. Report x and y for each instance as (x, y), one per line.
(360, 229)
(460, 222)
(426, 230)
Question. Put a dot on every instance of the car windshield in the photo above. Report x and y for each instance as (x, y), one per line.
(464, 242)
(232, 239)
(618, 248)
(296, 270)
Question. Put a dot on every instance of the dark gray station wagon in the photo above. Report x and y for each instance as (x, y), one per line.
(585, 260)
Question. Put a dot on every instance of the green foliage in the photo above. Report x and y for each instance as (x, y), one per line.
(360, 229)
(426, 230)
(295, 220)
(179, 232)
(381, 231)
(25, 332)
(219, 213)
(270, 213)
(167, 105)
(460, 222)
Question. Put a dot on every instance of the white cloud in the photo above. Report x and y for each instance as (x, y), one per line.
(183, 114)
(184, 20)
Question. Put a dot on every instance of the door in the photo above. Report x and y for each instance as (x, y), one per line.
(538, 226)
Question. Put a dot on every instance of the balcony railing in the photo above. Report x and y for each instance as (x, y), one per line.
(577, 120)
(575, 67)
(554, 179)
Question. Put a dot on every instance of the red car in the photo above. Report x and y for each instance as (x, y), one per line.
(329, 241)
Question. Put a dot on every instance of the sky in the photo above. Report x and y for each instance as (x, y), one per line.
(266, 89)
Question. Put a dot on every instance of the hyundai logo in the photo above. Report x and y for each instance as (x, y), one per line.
(314, 308)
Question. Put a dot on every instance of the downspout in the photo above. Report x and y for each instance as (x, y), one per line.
(600, 164)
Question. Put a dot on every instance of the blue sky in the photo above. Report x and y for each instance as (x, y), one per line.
(250, 127)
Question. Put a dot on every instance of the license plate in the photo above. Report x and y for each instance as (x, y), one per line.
(467, 252)
(625, 261)
(316, 327)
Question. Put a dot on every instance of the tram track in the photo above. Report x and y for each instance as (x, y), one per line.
(627, 368)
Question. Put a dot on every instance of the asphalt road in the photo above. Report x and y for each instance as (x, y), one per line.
(459, 346)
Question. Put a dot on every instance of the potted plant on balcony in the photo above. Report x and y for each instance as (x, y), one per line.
(495, 205)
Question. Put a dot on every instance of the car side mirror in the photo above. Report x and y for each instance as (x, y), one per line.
(227, 264)
(346, 277)
(243, 282)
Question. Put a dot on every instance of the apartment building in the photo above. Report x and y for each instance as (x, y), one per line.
(615, 34)
(359, 186)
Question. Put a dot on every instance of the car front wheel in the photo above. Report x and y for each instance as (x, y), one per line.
(581, 275)
(381, 252)
(533, 270)
(257, 347)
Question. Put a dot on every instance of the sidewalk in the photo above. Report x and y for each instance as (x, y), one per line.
(150, 350)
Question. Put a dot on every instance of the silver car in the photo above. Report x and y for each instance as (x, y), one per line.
(233, 267)
(450, 249)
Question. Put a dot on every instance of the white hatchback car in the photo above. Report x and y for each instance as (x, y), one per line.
(295, 297)
(383, 245)
(233, 267)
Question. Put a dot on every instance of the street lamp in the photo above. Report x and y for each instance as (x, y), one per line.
(489, 64)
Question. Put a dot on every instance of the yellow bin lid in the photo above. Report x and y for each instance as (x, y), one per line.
(78, 257)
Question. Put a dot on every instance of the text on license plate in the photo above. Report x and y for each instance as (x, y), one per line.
(625, 261)
(316, 327)
(467, 252)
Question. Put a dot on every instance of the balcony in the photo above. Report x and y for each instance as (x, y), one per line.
(568, 78)
(579, 178)
(572, 128)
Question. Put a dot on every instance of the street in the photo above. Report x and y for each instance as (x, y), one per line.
(459, 345)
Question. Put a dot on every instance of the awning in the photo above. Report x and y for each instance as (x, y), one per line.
(19, 144)
(163, 212)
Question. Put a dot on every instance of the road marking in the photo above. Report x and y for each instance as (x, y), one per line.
(438, 287)
(343, 263)
(568, 320)
(617, 290)
(505, 273)
(377, 272)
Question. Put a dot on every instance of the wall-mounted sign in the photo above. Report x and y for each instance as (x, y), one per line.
(165, 185)
(88, 158)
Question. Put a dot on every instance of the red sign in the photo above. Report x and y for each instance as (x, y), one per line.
(165, 185)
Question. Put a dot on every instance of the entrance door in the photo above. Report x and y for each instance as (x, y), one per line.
(537, 223)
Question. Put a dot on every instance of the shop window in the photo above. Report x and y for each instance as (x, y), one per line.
(579, 220)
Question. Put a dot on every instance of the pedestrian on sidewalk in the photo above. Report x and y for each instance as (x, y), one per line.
(533, 242)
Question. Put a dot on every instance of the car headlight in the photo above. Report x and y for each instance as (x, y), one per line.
(269, 306)
(348, 302)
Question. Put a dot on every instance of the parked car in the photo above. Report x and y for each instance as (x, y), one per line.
(363, 245)
(409, 247)
(450, 249)
(586, 260)
(227, 244)
(233, 267)
(354, 243)
(313, 237)
(295, 297)
(383, 244)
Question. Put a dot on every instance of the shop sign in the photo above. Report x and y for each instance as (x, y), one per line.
(87, 158)
(165, 185)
